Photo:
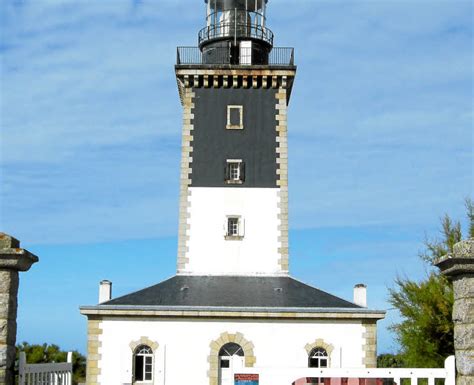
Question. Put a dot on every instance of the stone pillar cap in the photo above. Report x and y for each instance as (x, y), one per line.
(12, 257)
(461, 261)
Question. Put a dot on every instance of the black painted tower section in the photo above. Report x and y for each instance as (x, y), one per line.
(255, 144)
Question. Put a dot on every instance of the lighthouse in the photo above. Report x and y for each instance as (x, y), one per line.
(234, 88)
(232, 303)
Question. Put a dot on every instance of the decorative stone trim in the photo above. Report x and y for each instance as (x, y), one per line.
(282, 174)
(94, 331)
(222, 78)
(240, 110)
(187, 96)
(370, 344)
(216, 345)
(320, 343)
(144, 341)
(141, 313)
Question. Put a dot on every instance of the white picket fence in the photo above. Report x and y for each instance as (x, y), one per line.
(288, 376)
(45, 374)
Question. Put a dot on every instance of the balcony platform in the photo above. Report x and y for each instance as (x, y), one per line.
(279, 57)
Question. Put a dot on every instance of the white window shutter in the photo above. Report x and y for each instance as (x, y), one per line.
(224, 227)
(242, 227)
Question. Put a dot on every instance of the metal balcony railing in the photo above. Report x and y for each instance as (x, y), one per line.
(279, 56)
(237, 30)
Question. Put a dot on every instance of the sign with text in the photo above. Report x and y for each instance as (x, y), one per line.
(246, 379)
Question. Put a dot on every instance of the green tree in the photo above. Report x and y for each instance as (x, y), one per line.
(45, 353)
(389, 361)
(426, 330)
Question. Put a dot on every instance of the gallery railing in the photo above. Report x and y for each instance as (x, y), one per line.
(237, 30)
(279, 56)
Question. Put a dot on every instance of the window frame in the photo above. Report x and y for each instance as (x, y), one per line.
(234, 235)
(240, 165)
(145, 356)
(229, 125)
(245, 52)
(313, 355)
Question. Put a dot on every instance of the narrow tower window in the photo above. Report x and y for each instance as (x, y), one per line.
(235, 117)
(232, 227)
(234, 171)
(246, 52)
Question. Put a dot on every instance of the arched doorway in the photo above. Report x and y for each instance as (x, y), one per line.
(231, 358)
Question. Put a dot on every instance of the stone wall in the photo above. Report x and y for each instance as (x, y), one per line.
(460, 268)
(12, 260)
(8, 310)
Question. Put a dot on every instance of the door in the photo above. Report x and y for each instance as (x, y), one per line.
(227, 366)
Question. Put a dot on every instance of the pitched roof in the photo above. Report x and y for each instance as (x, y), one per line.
(232, 291)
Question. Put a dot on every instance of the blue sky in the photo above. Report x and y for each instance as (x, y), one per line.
(380, 143)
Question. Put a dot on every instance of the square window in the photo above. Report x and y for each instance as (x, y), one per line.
(234, 228)
(234, 171)
(235, 117)
(225, 364)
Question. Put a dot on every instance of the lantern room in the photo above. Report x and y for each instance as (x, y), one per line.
(236, 32)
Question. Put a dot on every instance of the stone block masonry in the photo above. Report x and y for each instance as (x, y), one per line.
(94, 332)
(282, 174)
(186, 171)
(370, 344)
(12, 260)
(459, 267)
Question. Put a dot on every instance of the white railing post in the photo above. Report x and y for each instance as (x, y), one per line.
(450, 366)
(69, 374)
(21, 365)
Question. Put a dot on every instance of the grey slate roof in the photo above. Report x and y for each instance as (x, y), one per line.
(232, 291)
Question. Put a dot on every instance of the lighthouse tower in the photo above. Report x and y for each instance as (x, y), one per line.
(234, 88)
(232, 304)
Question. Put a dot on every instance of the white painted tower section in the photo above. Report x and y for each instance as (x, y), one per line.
(253, 252)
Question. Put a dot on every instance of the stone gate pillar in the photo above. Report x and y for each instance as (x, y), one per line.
(459, 267)
(12, 260)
